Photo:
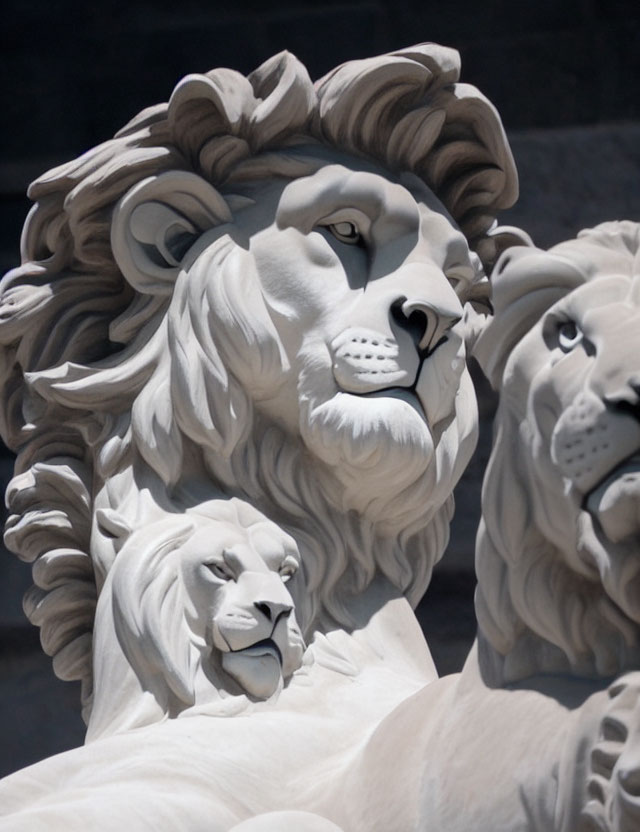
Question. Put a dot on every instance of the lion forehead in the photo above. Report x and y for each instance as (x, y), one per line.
(210, 543)
(272, 545)
(603, 291)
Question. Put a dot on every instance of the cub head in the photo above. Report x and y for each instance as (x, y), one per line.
(237, 602)
(557, 554)
(196, 611)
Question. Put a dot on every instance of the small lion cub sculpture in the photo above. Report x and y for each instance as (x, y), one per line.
(195, 612)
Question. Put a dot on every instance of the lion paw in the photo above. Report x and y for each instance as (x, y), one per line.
(613, 784)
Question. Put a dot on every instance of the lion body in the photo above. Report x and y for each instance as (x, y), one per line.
(205, 771)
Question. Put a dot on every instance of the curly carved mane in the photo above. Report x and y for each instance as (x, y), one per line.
(536, 614)
(84, 338)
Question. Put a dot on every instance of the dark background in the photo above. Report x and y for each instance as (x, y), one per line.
(564, 74)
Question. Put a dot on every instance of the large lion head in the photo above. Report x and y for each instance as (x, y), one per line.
(195, 612)
(337, 325)
(558, 568)
(263, 283)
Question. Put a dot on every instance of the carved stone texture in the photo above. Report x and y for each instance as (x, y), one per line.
(260, 291)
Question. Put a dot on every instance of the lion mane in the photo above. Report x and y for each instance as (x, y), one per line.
(543, 607)
(88, 386)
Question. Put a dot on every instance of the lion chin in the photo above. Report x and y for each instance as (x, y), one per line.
(393, 435)
(257, 669)
(615, 504)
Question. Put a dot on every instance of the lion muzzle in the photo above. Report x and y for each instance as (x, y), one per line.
(365, 360)
(258, 635)
(588, 441)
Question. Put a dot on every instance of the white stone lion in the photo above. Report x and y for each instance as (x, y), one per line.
(260, 285)
(558, 572)
(528, 736)
(195, 613)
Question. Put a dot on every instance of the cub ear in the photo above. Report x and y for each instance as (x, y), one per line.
(112, 524)
(156, 223)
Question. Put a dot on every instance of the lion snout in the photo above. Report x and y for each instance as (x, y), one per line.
(236, 630)
(263, 608)
(273, 611)
(365, 360)
(425, 321)
(590, 440)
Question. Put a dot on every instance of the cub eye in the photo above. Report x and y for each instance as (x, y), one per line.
(220, 570)
(346, 232)
(569, 335)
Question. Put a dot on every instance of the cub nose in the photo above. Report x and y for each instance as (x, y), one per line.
(625, 396)
(273, 610)
(426, 322)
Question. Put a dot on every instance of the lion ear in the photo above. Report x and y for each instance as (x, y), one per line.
(113, 526)
(157, 221)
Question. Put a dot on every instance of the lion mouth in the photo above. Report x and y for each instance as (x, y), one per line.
(615, 501)
(265, 647)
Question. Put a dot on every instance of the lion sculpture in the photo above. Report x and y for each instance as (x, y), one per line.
(199, 606)
(558, 572)
(264, 285)
(534, 709)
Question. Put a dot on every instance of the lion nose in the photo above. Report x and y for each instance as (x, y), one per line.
(427, 322)
(624, 395)
(272, 610)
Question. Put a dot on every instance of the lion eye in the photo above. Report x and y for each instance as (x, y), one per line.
(461, 276)
(346, 232)
(220, 570)
(569, 335)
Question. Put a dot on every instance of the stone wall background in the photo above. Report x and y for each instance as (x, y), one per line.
(564, 74)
